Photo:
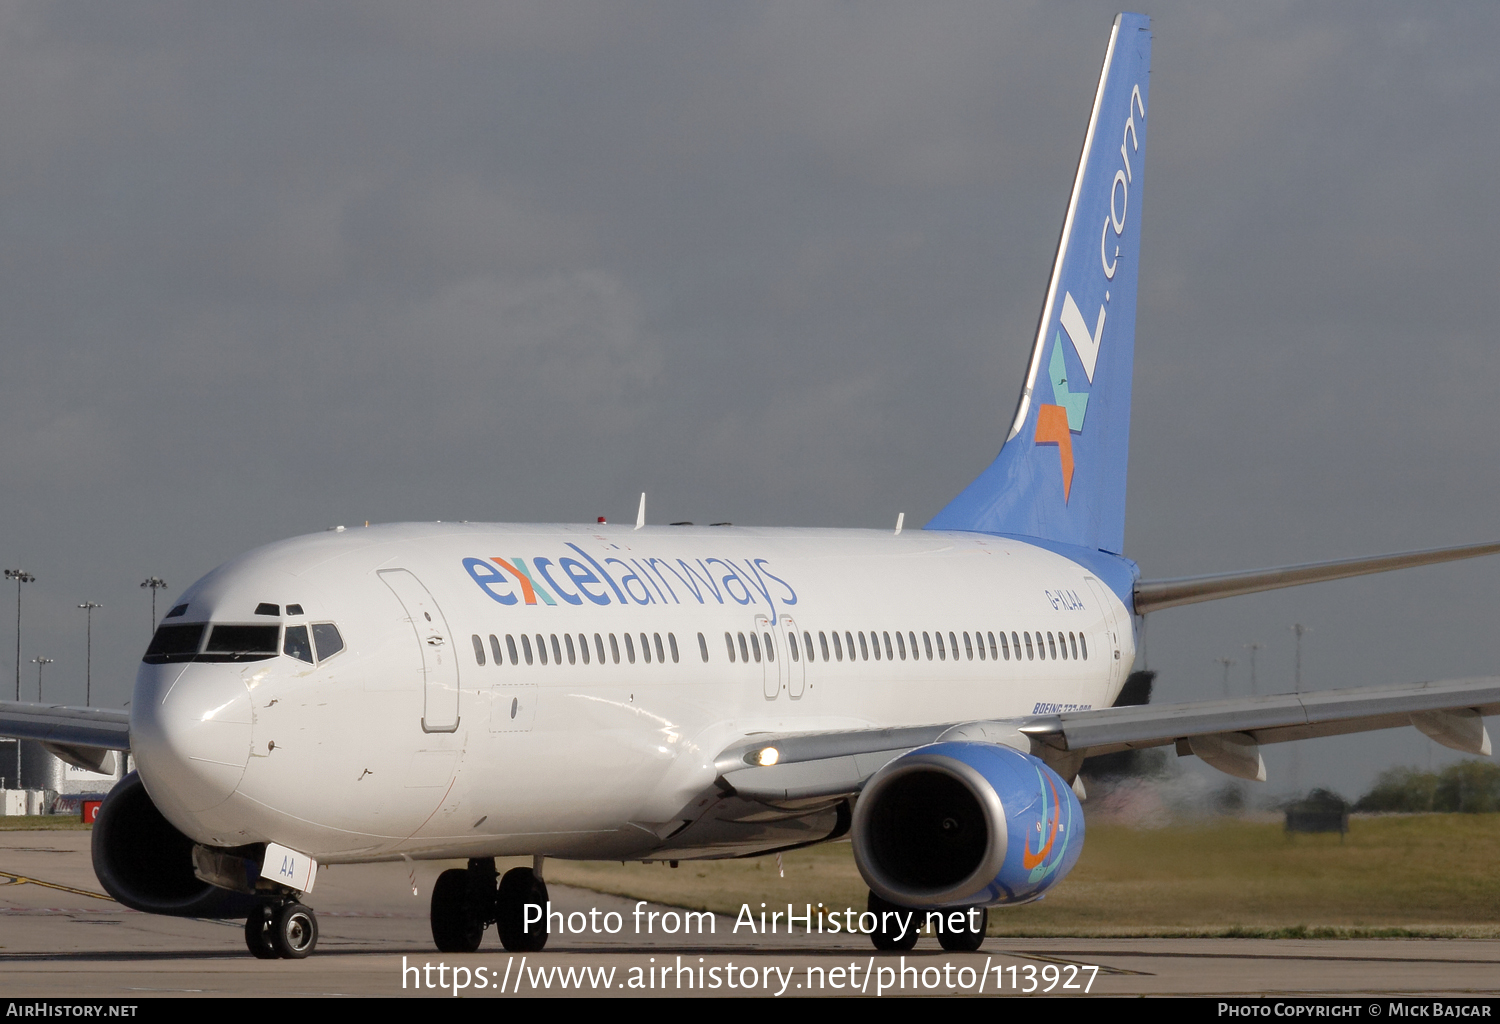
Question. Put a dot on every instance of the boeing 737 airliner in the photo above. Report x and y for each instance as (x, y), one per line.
(442, 690)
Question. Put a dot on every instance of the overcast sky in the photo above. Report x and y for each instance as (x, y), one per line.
(266, 268)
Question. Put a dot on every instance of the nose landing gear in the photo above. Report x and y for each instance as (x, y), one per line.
(287, 931)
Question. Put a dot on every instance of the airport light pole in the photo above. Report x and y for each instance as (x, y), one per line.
(155, 583)
(88, 658)
(1226, 662)
(1252, 648)
(40, 662)
(20, 576)
(1299, 629)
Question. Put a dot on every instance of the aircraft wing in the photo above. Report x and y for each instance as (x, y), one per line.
(1224, 733)
(80, 736)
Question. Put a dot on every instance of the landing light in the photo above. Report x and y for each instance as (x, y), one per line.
(767, 756)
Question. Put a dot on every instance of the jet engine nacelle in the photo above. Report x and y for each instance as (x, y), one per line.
(965, 824)
(146, 864)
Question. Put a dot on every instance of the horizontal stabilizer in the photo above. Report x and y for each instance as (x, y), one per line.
(1154, 595)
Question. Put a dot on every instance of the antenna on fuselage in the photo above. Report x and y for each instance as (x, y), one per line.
(640, 516)
(900, 522)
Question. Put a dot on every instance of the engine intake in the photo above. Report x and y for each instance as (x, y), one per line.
(966, 824)
(146, 864)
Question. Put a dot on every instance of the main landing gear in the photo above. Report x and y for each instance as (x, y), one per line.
(286, 930)
(466, 900)
(962, 936)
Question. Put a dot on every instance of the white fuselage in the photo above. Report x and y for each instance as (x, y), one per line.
(404, 744)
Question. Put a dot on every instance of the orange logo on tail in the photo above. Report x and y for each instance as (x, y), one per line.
(1052, 428)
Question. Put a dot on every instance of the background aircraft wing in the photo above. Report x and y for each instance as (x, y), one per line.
(1224, 733)
(82, 737)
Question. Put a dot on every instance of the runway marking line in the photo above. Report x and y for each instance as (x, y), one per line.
(11, 878)
(1283, 956)
(1043, 958)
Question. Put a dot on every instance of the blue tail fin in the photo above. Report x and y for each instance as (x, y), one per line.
(1060, 475)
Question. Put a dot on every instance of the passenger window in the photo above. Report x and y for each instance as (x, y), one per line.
(672, 643)
(968, 646)
(1015, 641)
(823, 643)
(1051, 645)
(645, 649)
(614, 649)
(901, 644)
(572, 653)
(583, 646)
(556, 651)
(478, 646)
(1073, 643)
(629, 649)
(912, 639)
(791, 645)
(849, 643)
(1029, 655)
(510, 645)
(979, 643)
(495, 649)
(729, 643)
(770, 648)
(541, 648)
(1005, 646)
(755, 646)
(661, 655)
(526, 647)
(838, 647)
(886, 637)
(326, 639)
(942, 652)
(703, 647)
(953, 645)
(1083, 645)
(864, 650)
(874, 642)
(994, 651)
(297, 645)
(927, 643)
(745, 651)
(807, 644)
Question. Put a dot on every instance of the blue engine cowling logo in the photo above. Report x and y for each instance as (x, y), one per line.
(966, 824)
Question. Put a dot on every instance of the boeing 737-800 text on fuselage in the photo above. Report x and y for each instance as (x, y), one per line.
(462, 690)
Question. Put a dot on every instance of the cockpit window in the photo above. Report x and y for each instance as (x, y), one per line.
(241, 643)
(175, 643)
(297, 645)
(326, 638)
(179, 610)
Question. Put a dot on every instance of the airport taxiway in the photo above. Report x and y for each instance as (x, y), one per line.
(58, 940)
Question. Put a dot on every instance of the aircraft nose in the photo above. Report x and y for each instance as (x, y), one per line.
(190, 733)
